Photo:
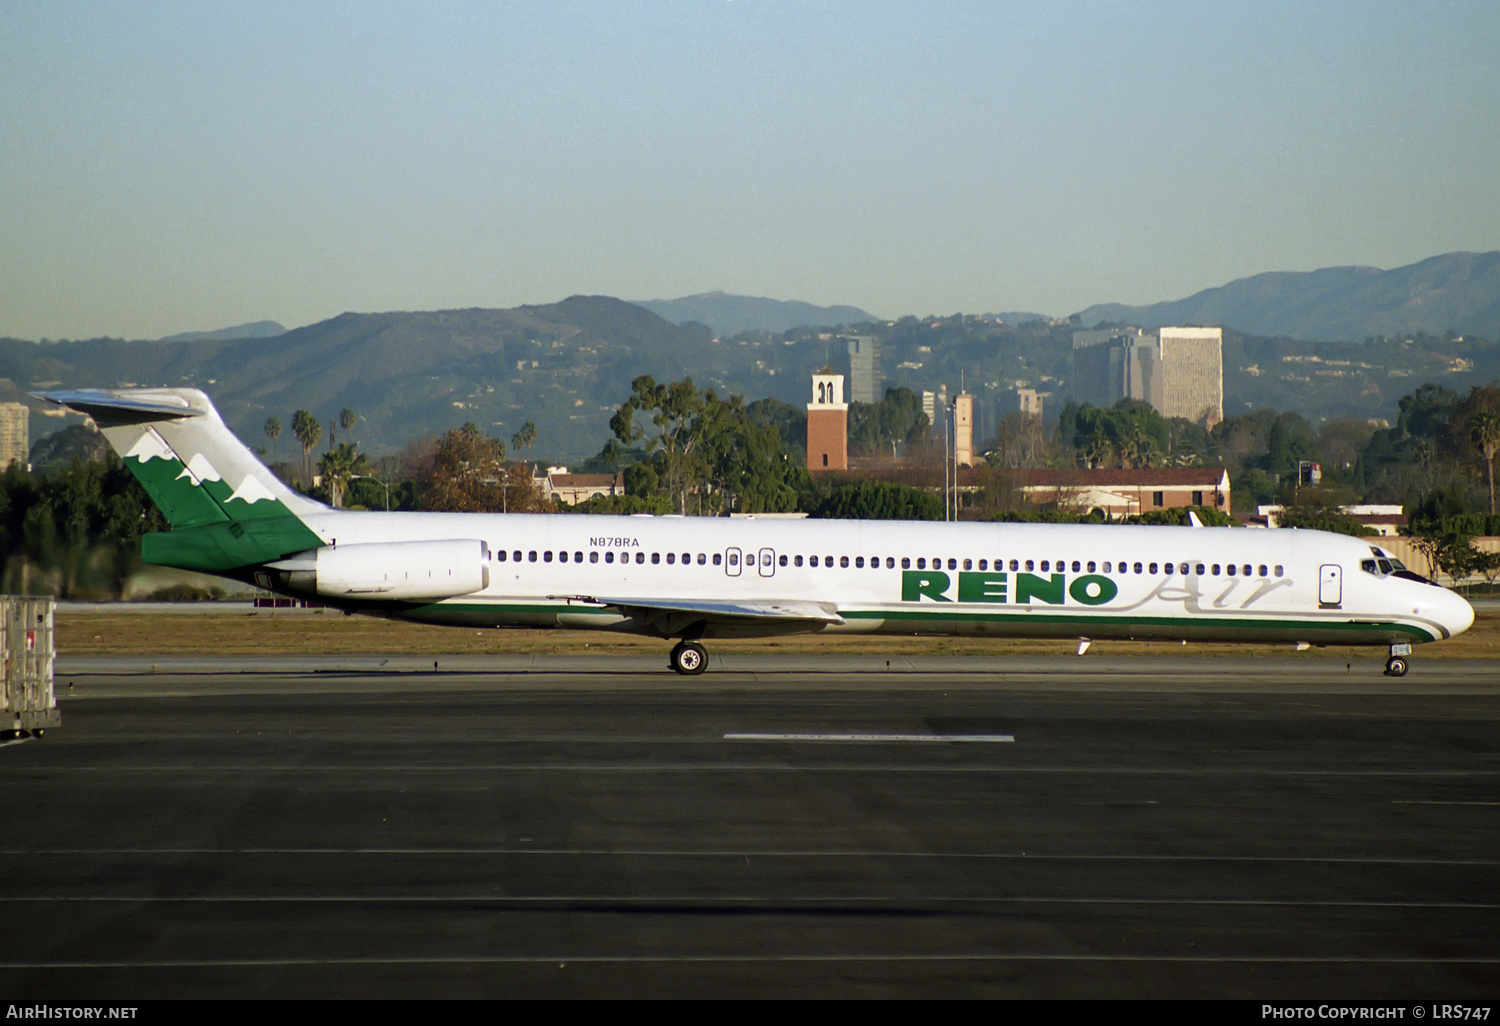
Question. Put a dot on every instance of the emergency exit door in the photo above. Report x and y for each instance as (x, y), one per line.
(1330, 586)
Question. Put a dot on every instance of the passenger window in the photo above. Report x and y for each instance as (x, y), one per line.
(1045, 565)
(796, 561)
(1030, 565)
(500, 556)
(1183, 569)
(843, 561)
(859, 562)
(749, 559)
(968, 564)
(1014, 565)
(1229, 569)
(671, 558)
(921, 562)
(906, 562)
(1076, 566)
(984, 564)
(702, 559)
(1278, 570)
(1152, 568)
(609, 557)
(655, 558)
(578, 557)
(782, 560)
(734, 559)
(1247, 570)
(718, 558)
(1138, 568)
(828, 561)
(1202, 569)
(1091, 566)
(593, 557)
(562, 557)
(890, 562)
(640, 557)
(1216, 569)
(1106, 566)
(952, 563)
(531, 556)
(1263, 570)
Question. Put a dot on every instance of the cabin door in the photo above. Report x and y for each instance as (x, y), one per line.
(767, 562)
(732, 562)
(1330, 585)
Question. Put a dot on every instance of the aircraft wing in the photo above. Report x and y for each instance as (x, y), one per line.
(673, 614)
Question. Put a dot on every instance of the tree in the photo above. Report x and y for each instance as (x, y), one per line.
(681, 416)
(1484, 430)
(878, 500)
(469, 473)
(337, 466)
(347, 419)
(273, 430)
(524, 438)
(306, 430)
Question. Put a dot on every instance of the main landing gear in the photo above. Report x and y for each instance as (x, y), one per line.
(1396, 665)
(688, 658)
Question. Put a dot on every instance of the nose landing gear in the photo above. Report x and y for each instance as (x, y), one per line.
(688, 658)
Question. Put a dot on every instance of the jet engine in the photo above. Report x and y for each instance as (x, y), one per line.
(405, 571)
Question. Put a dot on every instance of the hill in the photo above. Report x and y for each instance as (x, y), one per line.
(730, 315)
(566, 366)
(1455, 291)
(255, 329)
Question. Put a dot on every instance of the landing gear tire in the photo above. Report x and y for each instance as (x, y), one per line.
(1395, 666)
(688, 658)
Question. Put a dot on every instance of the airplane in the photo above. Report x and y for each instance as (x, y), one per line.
(691, 579)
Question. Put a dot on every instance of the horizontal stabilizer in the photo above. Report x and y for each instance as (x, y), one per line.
(137, 406)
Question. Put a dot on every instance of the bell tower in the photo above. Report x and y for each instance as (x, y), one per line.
(827, 423)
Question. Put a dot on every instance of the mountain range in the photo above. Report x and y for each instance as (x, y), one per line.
(729, 315)
(567, 366)
(1456, 291)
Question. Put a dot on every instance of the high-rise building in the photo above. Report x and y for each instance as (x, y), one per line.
(865, 379)
(1115, 364)
(15, 435)
(1179, 371)
(963, 430)
(827, 423)
(1192, 361)
(1025, 401)
(933, 405)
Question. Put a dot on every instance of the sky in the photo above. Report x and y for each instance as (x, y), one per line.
(175, 167)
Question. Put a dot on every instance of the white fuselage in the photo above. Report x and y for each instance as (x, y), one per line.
(1017, 580)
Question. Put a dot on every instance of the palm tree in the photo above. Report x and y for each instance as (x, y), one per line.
(307, 431)
(1484, 430)
(337, 466)
(273, 430)
(347, 419)
(524, 438)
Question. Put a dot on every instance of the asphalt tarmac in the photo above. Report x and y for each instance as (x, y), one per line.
(1282, 828)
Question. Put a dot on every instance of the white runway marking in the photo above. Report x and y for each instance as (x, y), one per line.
(855, 900)
(220, 963)
(982, 738)
(738, 853)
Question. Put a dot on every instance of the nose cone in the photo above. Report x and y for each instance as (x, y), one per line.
(1454, 613)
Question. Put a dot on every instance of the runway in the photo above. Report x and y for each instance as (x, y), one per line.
(553, 826)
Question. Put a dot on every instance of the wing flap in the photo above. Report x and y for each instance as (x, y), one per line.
(713, 610)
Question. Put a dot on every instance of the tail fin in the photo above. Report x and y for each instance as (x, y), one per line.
(203, 478)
